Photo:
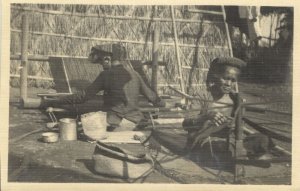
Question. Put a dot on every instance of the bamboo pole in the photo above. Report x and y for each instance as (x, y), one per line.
(205, 11)
(189, 68)
(177, 85)
(66, 75)
(227, 32)
(44, 58)
(113, 16)
(155, 58)
(177, 50)
(32, 77)
(118, 40)
(24, 57)
(271, 28)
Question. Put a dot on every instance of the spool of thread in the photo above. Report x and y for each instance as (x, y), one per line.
(68, 129)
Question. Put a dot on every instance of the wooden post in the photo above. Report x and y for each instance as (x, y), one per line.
(239, 128)
(177, 51)
(240, 152)
(155, 58)
(24, 57)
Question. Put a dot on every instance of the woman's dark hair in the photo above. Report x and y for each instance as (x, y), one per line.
(218, 66)
(214, 71)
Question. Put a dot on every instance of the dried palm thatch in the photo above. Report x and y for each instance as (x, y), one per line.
(73, 29)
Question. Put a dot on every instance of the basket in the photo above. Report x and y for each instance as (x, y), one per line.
(115, 161)
(94, 125)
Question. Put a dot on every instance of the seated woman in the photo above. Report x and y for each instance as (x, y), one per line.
(208, 132)
(122, 87)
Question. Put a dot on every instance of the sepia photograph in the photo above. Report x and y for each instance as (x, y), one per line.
(160, 94)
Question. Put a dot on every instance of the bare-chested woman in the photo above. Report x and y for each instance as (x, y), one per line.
(208, 131)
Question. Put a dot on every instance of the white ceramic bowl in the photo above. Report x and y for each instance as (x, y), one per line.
(50, 137)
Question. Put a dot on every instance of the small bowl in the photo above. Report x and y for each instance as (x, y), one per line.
(50, 137)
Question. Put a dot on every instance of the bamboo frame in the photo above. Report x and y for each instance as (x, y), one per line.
(45, 58)
(51, 79)
(227, 31)
(111, 16)
(115, 26)
(155, 59)
(118, 40)
(182, 86)
(24, 57)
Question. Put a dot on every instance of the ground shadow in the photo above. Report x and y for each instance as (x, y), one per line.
(22, 169)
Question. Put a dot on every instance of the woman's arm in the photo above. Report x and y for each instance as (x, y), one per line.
(215, 117)
(84, 95)
(149, 93)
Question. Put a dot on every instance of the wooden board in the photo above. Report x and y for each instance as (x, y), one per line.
(124, 136)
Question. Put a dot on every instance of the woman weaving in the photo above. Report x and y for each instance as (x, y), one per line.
(209, 131)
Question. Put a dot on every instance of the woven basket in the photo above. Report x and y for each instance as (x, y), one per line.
(118, 162)
(94, 125)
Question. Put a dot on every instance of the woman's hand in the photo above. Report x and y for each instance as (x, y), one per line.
(217, 118)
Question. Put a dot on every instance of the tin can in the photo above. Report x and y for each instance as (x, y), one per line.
(68, 129)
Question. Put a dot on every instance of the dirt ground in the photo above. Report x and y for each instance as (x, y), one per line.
(31, 160)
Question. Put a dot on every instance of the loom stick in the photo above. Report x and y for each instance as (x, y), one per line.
(267, 131)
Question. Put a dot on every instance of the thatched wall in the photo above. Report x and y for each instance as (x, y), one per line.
(201, 37)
